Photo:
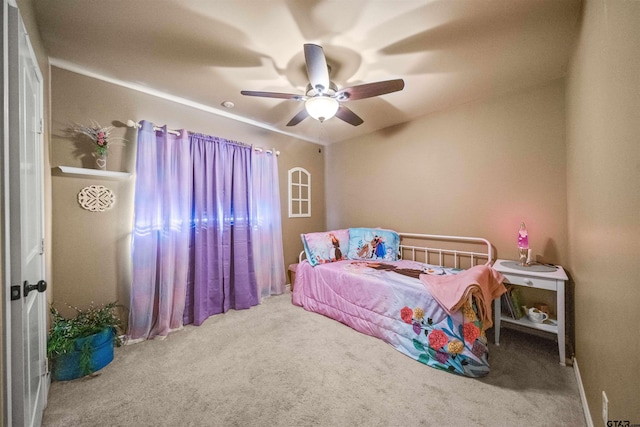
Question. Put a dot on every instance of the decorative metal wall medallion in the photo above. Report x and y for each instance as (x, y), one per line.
(96, 198)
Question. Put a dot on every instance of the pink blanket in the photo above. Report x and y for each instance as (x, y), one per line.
(481, 281)
(396, 308)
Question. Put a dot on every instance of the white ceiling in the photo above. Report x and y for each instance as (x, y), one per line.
(448, 52)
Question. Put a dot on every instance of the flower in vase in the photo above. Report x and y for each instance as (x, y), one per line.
(100, 135)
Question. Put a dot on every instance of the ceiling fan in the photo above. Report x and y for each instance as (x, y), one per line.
(323, 99)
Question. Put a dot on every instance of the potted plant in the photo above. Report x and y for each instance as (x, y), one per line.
(84, 343)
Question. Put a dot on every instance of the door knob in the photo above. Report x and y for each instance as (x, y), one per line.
(41, 286)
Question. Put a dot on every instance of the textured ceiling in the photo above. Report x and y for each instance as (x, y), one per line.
(448, 52)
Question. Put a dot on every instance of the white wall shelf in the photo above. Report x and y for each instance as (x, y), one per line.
(94, 172)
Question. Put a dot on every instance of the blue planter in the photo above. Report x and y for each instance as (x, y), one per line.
(98, 347)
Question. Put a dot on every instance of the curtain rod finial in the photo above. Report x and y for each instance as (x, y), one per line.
(132, 124)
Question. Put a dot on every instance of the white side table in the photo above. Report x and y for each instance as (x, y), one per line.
(528, 277)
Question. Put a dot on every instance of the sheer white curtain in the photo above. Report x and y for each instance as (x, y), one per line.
(161, 232)
(268, 256)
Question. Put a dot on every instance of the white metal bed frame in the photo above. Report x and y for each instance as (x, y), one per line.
(415, 250)
(455, 253)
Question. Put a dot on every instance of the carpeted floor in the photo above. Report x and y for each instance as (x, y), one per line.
(279, 365)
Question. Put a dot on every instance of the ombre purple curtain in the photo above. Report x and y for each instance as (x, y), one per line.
(161, 233)
(192, 239)
(221, 276)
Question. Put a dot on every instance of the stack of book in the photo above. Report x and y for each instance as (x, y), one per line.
(511, 302)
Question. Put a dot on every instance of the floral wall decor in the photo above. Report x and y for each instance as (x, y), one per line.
(96, 198)
(101, 138)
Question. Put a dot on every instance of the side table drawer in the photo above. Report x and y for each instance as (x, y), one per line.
(532, 282)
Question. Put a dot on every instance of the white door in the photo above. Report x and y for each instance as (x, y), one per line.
(29, 379)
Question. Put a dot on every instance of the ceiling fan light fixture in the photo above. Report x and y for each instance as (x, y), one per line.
(321, 107)
(322, 97)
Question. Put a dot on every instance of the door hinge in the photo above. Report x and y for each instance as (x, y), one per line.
(42, 247)
(41, 126)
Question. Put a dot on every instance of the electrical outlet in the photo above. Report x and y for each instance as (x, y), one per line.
(605, 407)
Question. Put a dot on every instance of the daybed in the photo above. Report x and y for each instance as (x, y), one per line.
(395, 287)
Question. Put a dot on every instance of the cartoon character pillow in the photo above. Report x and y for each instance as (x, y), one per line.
(373, 243)
(326, 246)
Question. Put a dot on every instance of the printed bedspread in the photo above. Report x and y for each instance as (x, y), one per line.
(390, 305)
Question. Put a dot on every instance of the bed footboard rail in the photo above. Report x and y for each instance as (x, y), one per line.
(414, 247)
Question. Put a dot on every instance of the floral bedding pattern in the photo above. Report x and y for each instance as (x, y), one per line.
(384, 301)
(445, 349)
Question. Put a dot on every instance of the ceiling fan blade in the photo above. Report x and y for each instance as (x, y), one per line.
(298, 117)
(273, 95)
(348, 116)
(317, 69)
(369, 90)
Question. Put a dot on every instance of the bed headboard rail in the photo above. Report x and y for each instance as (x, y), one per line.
(419, 251)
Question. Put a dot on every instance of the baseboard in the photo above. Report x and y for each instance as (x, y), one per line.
(583, 396)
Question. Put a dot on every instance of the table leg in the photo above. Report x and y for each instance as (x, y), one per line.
(497, 309)
(561, 323)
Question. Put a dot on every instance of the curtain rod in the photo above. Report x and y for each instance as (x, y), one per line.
(260, 150)
(136, 125)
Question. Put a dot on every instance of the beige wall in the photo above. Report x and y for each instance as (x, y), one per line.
(92, 250)
(603, 180)
(476, 170)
